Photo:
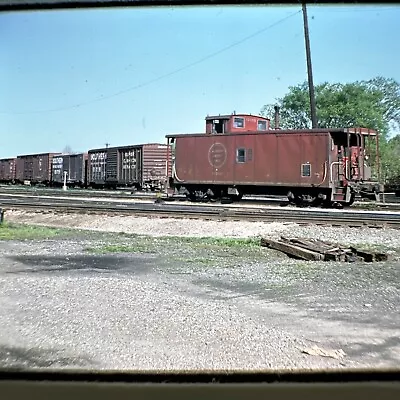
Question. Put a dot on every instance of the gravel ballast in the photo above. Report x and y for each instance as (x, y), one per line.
(201, 228)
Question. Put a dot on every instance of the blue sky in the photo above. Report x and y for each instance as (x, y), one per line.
(55, 66)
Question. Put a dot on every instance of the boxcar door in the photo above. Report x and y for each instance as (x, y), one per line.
(111, 166)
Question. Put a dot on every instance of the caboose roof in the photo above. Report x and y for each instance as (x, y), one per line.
(229, 116)
(362, 131)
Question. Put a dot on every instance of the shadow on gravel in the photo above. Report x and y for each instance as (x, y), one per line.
(83, 263)
(22, 358)
(389, 350)
(345, 306)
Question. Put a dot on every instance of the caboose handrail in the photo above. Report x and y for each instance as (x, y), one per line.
(174, 172)
(332, 164)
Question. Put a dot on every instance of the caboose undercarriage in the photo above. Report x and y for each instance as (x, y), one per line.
(323, 197)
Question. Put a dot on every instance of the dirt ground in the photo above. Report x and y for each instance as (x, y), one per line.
(98, 300)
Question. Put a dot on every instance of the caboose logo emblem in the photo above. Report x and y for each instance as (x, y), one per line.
(217, 155)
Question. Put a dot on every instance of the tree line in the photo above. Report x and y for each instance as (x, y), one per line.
(373, 104)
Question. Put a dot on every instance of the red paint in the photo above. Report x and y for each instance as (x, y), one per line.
(236, 123)
(275, 159)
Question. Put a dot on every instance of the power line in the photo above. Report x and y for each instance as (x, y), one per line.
(149, 82)
(350, 8)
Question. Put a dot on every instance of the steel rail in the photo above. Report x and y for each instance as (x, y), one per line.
(254, 200)
(300, 216)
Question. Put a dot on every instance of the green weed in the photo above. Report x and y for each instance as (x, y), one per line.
(10, 231)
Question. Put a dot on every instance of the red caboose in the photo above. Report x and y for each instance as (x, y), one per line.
(240, 154)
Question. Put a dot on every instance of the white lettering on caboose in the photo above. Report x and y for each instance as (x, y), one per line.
(217, 155)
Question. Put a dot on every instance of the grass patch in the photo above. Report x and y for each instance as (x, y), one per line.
(218, 242)
(195, 260)
(10, 231)
(190, 250)
(120, 248)
(373, 247)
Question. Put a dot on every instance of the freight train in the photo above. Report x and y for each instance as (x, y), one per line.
(142, 167)
(240, 154)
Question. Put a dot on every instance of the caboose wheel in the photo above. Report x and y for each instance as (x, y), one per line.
(236, 197)
(352, 198)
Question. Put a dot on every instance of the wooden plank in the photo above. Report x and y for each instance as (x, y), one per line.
(315, 250)
(292, 250)
(323, 242)
(311, 246)
(316, 243)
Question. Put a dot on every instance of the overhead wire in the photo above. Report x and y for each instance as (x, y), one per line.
(338, 8)
(160, 77)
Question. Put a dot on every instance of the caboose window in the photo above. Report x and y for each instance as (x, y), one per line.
(261, 125)
(238, 122)
(241, 155)
(306, 170)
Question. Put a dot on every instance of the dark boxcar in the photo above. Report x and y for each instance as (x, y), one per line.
(19, 173)
(57, 169)
(97, 167)
(155, 164)
(8, 169)
(75, 167)
(35, 168)
(141, 166)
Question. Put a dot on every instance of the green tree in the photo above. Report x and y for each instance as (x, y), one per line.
(373, 104)
(391, 159)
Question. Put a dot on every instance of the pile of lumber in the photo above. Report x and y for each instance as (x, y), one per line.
(318, 250)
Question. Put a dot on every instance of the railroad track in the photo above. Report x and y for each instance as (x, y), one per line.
(391, 202)
(350, 218)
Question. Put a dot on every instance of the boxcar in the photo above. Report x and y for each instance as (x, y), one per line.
(306, 165)
(141, 166)
(75, 165)
(8, 170)
(35, 168)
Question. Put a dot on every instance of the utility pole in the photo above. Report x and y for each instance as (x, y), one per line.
(309, 69)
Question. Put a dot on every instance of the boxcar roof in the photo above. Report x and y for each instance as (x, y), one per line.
(39, 154)
(363, 131)
(129, 146)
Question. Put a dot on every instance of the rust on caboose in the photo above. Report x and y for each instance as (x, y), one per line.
(327, 164)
